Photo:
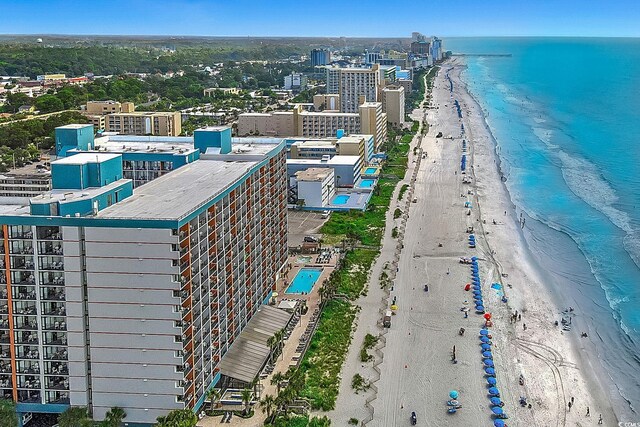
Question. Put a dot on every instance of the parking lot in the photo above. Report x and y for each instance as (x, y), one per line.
(303, 223)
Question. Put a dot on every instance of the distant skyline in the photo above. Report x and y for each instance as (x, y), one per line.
(365, 18)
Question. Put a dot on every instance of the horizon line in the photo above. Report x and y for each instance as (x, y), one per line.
(311, 37)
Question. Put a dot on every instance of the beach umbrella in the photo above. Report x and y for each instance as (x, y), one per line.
(487, 354)
(476, 287)
(498, 423)
(480, 308)
(477, 292)
(475, 274)
(486, 346)
(476, 280)
(487, 370)
(497, 410)
(495, 401)
(491, 380)
(493, 391)
(484, 339)
(453, 394)
(487, 316)
(474, 258)
(484, 331)
(488, 362)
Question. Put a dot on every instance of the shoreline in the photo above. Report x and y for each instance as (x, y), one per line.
(584, 356)
(567, 293)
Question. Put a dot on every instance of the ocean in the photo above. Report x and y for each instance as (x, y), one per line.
(565, 113)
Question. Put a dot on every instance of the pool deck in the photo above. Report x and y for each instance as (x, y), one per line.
(358, 200)
(289, 355)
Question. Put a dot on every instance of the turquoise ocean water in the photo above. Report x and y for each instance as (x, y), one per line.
(565, 114)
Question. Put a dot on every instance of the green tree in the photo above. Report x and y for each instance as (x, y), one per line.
(178, 418)
(276, 379)
(75, 416)
(246, 394)
(114, 417)
(214, 396)
(8, 415)
(267, 404)
(49, 104)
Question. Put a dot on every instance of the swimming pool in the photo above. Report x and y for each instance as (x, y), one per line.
(367, 183)
(304, 281)
(370, 171)
(341, 199)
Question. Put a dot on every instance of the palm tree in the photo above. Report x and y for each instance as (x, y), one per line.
(267, 404)
(214, 396)
(114, 416)
(277, 379)
(8, 415)
(246, 394)
(178, 418)
(75, 416)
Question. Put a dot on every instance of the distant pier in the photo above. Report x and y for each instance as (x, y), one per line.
(499, 55)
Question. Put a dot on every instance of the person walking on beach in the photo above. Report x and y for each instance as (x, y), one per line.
(524, 326)
(569, 405)
(588, 413)
(600, 419)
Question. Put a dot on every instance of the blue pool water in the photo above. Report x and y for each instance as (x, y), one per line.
(367, 183)
(566, 129)
(341, 199)
(304, 281)
(370, 171)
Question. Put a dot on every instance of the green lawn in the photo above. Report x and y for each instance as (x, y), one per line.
(326, 354)
(355, 271)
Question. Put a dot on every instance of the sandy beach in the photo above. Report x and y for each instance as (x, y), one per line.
(416, 370)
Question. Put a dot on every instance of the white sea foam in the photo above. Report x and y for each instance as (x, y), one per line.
(586, 182)
(545, 135)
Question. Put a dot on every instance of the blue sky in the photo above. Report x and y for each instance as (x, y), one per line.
(323, 18)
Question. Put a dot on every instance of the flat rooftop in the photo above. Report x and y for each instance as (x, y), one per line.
(314, 174)
(179, 193)
(75, 126)
(85, 158)
(144, 144)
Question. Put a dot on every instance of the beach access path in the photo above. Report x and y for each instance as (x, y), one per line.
(417, 373)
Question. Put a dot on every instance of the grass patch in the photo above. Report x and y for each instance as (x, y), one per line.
(397, 213)
(394, 232)
(300, 421)
(355, 271)
(326, 354)
(403, 190)
(358, 383)
(369, 342)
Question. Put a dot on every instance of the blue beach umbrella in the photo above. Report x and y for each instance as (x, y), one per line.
(488, 362)
(477, 292)
(480, 309)
(489, 371)
(484, 339)
(484, 331)
(477, 287)
(474, 259)
(475, 274)
(476, 280)
(497, 410)
(453, 394)
(495, 401)
(485, 346)
(493, 391)
(491, 381)
(498, 423)
(487, 354)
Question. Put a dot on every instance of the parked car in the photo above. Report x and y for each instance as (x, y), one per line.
(310, 239)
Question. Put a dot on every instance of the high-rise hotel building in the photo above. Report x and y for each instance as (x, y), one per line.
(111, 296)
